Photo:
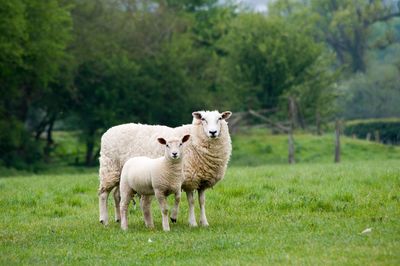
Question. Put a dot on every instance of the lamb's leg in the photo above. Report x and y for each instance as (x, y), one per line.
(202, 201)
(174, 214)
(117, 199)
(145, 203)
(192, 218)
(162, 200)
(126, 196)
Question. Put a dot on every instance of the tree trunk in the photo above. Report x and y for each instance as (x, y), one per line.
(337, 141)
(318, 123)
(49, 137)
(293, 112)
(89, 148)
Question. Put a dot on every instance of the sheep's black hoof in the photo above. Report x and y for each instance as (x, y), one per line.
(173, 220)
(101, 221)
(117, 221)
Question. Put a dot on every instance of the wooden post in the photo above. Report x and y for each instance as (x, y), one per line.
(377, 137)
(291, 146)
(292, 118)
(337, 141)
(368, 138)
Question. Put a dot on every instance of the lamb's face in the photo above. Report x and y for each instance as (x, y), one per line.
(211, 121)
(173, 146)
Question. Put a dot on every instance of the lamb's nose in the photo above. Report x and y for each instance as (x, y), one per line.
(174, 154)
(213, 132)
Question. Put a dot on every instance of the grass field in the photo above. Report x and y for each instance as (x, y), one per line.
(278, 214)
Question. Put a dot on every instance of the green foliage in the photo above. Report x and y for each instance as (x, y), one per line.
(267, 57)
(33, 38)
(373, 94)
(388, 129)
(301, 214)
(88, 65)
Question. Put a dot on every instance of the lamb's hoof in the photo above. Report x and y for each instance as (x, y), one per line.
(193, 225)
(204, 223)
(117, 220)
(103, 222)
(173, 220)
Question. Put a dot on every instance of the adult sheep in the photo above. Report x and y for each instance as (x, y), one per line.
(206, 157)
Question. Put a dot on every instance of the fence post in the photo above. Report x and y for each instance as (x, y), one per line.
(377, 137)
(291, 146)
(337, 141)
(292, 121)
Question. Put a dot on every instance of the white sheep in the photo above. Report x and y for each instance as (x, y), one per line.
(207, 156)
(160, 177)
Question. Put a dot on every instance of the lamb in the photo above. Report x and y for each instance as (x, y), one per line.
(160, 177)
(206, 157)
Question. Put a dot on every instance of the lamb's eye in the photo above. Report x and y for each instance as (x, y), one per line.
(180, 144)
(220, 118)
(167, 146)
(203, 119)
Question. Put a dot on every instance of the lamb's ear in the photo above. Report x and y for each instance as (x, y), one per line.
(225, 115)
(185, 138)
(196, 115)
(162, 141)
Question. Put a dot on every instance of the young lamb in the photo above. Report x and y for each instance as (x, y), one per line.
(206, 156)
(160, 177)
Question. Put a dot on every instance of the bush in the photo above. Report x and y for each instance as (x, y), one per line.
(18, 149)
(386, 130)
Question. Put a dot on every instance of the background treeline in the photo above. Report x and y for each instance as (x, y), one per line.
(86, 65)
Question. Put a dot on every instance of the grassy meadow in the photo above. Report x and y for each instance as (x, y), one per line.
(308, 213)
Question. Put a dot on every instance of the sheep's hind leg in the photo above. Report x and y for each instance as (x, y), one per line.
(126, 196)
(202, 202)
(174, 214)
(192, 218)
(117, 199)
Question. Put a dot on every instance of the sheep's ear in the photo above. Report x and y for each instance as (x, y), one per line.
(185, 138)
(162, 141)
(196, 115)
(226, 115)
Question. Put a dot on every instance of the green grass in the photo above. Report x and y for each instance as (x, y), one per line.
(257, 147)
(303, 214)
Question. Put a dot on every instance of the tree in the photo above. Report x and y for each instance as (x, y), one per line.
(345, 25)
(269, 61)
(34, 35)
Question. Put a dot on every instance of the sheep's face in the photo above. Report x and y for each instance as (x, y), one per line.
(173, 146)
(211, 121)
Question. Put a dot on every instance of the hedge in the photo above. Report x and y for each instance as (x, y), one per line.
(385, 130)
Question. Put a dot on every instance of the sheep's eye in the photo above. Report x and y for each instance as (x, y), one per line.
(167, 146)
(180, 144)
(220, 118)
(203, 119)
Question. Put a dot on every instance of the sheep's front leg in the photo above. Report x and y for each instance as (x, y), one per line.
(103, 197)
(145, 204)
(126, 196)
(117, 199)
(192, 218)
(162, 200)
(175, 211)
(202, 202)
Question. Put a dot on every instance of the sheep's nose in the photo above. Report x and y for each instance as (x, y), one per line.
(212, 132)
(174, 154)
